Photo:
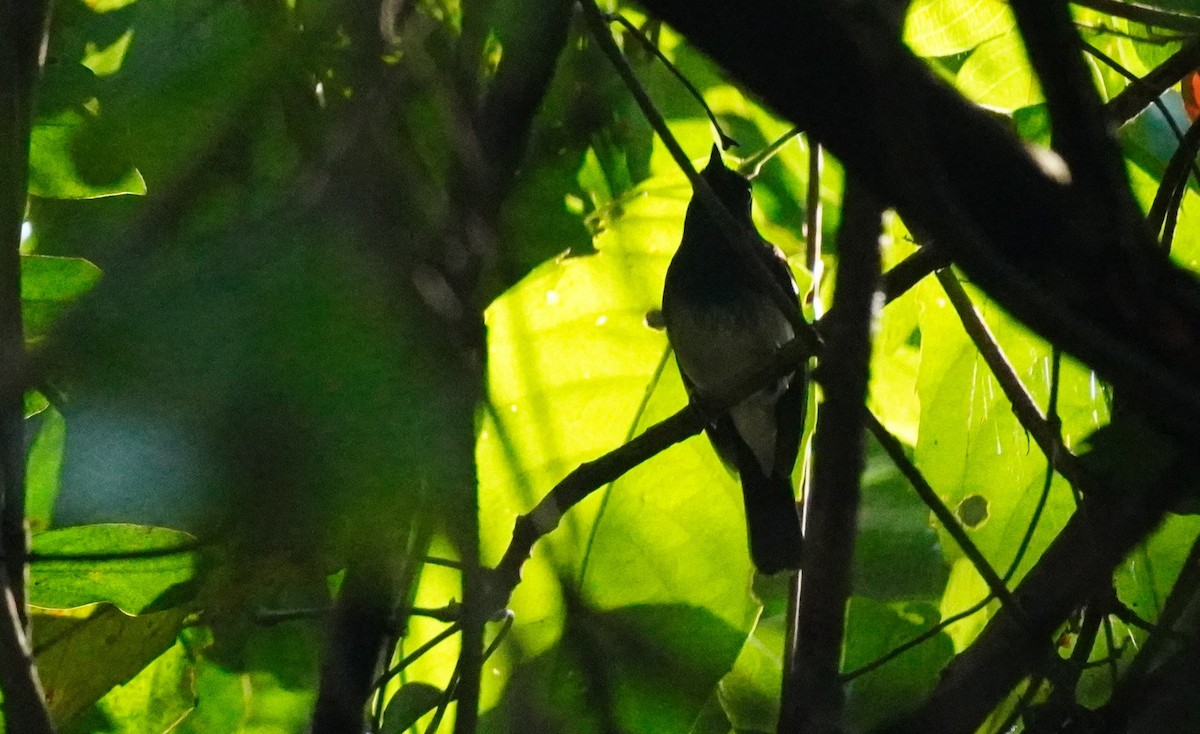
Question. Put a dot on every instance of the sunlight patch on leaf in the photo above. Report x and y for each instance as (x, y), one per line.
(998, 75)
(48, 285)
(945, 27)
(69, 158)
(141, 581)
(115, 645)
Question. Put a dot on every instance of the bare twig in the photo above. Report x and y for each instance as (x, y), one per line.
(726, 141)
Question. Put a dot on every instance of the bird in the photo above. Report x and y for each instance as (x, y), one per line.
(721, 318)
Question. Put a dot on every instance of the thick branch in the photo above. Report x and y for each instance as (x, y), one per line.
(812, 698)
(1078, 564)
(984, 203)
(1148, 14)
(1083, 133)
(22, 43)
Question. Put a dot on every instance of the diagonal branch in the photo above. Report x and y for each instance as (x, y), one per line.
(986, 204)
(1079, 563)
(1134, 98)
(1028, 413)
(590, 476)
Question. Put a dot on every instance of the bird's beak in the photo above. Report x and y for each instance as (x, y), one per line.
(714, 160)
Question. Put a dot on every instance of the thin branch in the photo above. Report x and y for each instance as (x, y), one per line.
(751, 166)
(812, 697)
(895, 450)
(1078, 563)
(726, 141)
(1174, 179)
(591, 475)
(1159, 105)
(732, 233)
(415, 655)
(1023, 405)
(1148, 14)
(1134, 98)
(928, 634)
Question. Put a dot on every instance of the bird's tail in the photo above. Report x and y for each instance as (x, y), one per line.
(772, 522)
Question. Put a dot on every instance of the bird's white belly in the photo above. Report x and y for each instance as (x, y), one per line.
(720, 347)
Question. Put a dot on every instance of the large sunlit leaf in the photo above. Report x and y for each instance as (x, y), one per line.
(136, 568)
(971, 447)
(945, 27)
(998, 75)
(48, 285)
(575, 372)
(114, 645)
(70, 157)
(153, 701)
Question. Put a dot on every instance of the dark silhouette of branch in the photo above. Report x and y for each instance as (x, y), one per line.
(1148, 14)
(1044, 433)
(895, 451)
(812, 697)
(1134, 98)
(22, 47)
(982, 200)
(1084, 135)
(1078, 564)
(1174, 182)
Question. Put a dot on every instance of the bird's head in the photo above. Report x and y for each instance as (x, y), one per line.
(731, 187)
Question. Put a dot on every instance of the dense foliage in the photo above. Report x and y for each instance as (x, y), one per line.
(321, 296)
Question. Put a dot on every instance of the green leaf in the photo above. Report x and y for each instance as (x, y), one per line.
(158, 563)
(873, 630)
(43, 468)
(153, 701)
(946, 27)
(575, 371)
(48, 285)
(83, 653)
(408, 705)
(271, 690)
(105, 6)
(639, 669)
(749, 693)
(997, 75)
(972, 445)
(72, 157)
(897, 554)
